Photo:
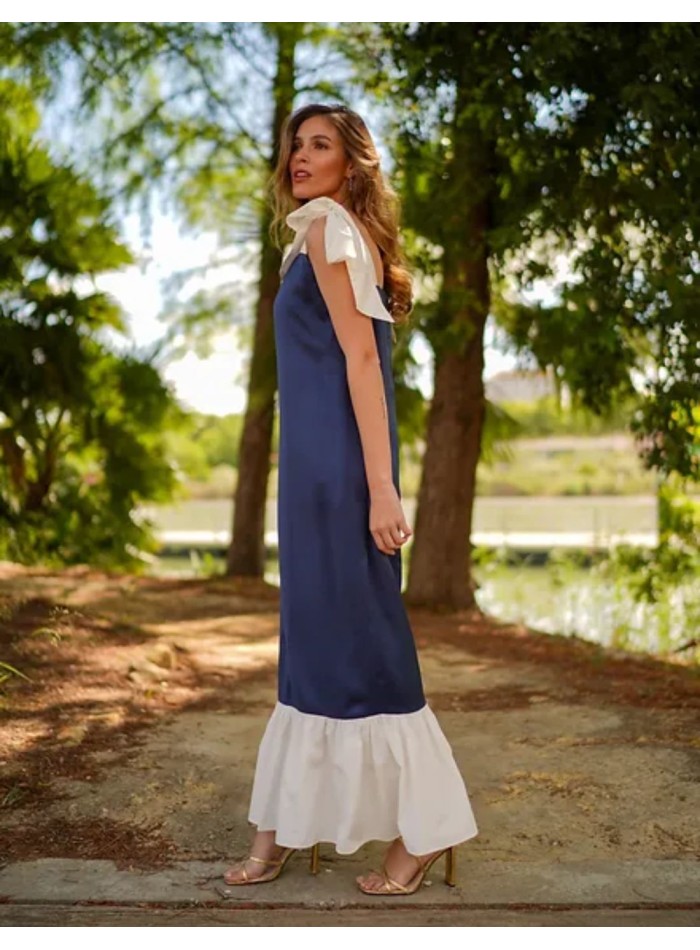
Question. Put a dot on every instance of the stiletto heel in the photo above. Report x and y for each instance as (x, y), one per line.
(315, 859)
(450, 867)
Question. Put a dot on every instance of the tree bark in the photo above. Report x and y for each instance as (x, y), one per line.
(246, 553)
(440, 575)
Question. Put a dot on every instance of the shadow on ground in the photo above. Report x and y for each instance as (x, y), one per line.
(134, 736)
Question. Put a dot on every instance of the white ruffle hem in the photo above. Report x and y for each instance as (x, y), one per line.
(349, 781)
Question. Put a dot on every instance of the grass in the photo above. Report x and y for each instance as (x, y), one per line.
(568, 472)
(565, 466)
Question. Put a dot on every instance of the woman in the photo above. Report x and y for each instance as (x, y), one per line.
(351, 753)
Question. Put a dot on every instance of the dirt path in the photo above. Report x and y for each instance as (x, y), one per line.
(135, 737)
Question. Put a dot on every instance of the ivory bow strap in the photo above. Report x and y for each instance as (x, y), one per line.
(343, 242)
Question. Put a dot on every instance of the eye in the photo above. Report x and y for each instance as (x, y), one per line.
(324, 145)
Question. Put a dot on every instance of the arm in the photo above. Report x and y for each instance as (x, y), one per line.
(355, 335)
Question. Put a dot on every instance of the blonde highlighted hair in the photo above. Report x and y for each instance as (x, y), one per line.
(371, 199)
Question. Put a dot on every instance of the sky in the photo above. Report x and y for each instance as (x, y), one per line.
(213, 385)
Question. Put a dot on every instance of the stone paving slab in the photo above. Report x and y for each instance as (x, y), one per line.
(492, 884)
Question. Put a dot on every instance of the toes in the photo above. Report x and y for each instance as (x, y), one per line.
(237, 873)
(371, 881)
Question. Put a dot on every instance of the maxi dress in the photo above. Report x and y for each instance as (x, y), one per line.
(351, 752)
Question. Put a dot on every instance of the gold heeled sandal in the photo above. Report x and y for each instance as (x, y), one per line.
(276, 867)
(390, 886)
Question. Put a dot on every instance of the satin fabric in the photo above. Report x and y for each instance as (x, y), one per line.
(346, 645)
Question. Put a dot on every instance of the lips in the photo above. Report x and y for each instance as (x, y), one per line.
(300, 176)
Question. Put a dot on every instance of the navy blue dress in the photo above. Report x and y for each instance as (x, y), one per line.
(352, 752)
(346, 646)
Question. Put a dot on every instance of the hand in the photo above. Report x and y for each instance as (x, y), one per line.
(387, 522)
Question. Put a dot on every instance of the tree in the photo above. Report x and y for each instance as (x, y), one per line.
(517, 144)
(80, 426)
(197, 109)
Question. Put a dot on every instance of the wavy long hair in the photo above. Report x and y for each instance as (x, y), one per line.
(372, 199)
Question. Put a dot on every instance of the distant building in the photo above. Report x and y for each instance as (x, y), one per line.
(521, 386)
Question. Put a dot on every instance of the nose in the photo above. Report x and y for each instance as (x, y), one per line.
(301, 154)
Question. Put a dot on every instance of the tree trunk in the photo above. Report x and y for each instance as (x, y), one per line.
(246, 553)
(440, 569)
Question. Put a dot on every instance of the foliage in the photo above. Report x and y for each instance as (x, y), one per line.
(573, 596)
(565, 154)
(7, 671)
(545, 416)
(80, 426)
(666, 575)
(626, 215)
(569, 470)
(181, 111)
(169, 109)
(205, 442)
(675, 560)
(557, 152)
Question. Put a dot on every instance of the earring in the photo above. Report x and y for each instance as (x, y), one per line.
(350, 183)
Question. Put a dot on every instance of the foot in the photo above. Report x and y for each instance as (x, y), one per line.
(264, 847)
(400, 866)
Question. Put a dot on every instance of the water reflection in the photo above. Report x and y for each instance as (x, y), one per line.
(578, 602)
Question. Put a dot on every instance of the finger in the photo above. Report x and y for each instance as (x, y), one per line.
(396, 536)
(379, 541)
(387, 543)
(394, 540)
(402, 532)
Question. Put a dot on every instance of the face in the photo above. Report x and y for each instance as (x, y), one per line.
(318, 164)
